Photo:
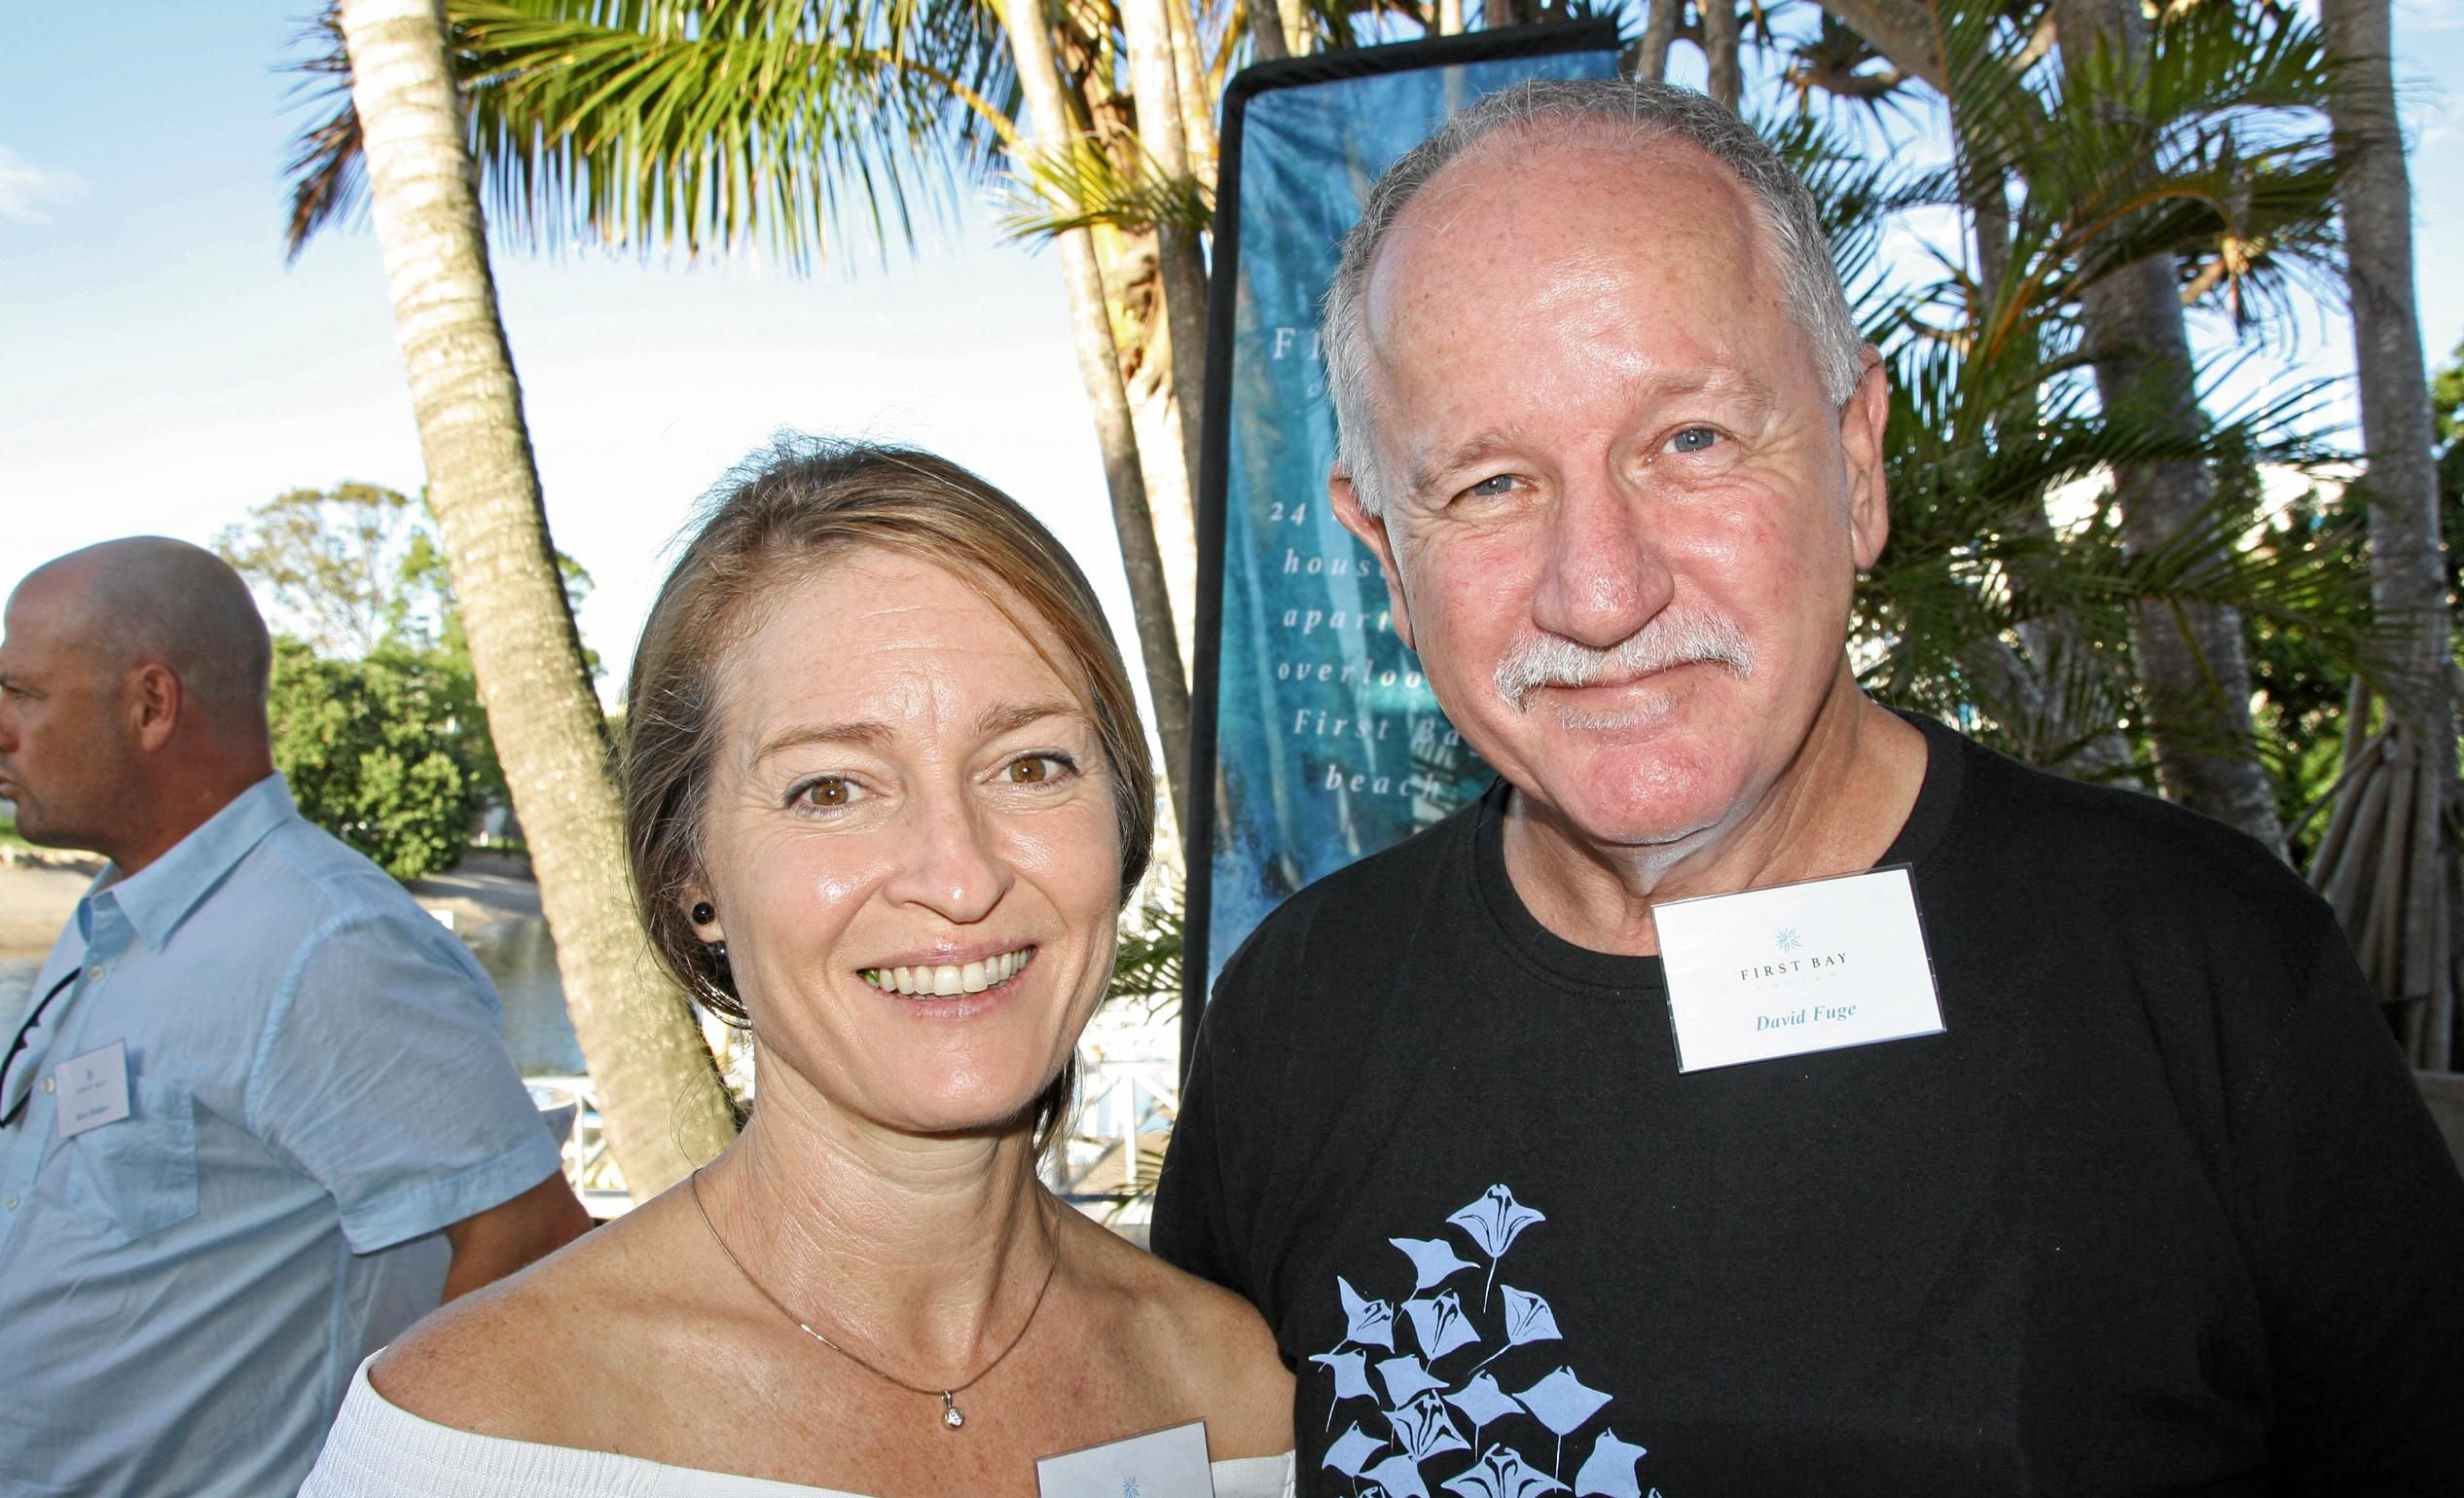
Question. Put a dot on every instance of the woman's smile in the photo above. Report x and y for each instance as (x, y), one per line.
(945, 980)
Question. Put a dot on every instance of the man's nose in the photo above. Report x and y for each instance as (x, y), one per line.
(957, 868)
(1602, 575)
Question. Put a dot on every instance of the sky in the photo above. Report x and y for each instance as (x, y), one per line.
(162, 369)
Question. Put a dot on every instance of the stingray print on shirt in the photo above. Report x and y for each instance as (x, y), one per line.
(1469, 1378)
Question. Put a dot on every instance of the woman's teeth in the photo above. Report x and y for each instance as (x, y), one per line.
(950, 979)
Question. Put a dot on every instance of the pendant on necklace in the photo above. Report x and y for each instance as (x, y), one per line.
(950, 1416)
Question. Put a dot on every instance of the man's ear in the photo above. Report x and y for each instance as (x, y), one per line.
(154, 700)
(1345, 498)
(1863, 422)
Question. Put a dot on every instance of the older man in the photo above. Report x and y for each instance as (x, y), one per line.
(258, 1116)
(1758, 1091)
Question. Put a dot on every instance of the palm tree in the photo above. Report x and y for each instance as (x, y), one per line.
(1128, 464)
(659, 1091)
(2190, 657)
(2394, 874)
(720, 125)
(1980, 611)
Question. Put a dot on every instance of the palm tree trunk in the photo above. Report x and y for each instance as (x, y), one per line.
(1722, 38)
(2058, 739)
(1908, 33)
(1299, 41)
(1155, 85)
(1266, 31)
(1098, 366)
(1156, 423)
(2408, 568)
(2190, 657)
(1659, 34)
(659, 1092)
(1197, 115)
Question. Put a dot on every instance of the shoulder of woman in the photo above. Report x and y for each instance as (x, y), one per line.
(1218, 1348)
(532, 1357)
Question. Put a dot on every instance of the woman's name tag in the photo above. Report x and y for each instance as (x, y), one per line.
(1795, 969)
(1168, 1463)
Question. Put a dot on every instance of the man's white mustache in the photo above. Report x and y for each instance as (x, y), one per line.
(1669, 640)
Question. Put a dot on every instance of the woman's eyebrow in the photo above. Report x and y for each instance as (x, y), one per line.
(1006, 718)
(867, 733)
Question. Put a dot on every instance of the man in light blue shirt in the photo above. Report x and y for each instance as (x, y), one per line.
(257, 1115)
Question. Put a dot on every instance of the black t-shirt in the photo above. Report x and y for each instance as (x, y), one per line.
(2160, 1211)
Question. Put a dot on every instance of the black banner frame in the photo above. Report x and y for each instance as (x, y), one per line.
(1215, 451)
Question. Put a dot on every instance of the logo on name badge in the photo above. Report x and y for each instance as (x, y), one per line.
(1796, 969)
(93, 1090)
(1168, 1463)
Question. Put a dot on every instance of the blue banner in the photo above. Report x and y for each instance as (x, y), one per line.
(1324, 743)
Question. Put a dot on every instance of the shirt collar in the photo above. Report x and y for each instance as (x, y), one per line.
(159, 897)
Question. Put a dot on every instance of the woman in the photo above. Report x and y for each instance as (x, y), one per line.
(886, 792)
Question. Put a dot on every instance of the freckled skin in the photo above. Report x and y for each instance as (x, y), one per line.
(943, 834)
(1594, 405)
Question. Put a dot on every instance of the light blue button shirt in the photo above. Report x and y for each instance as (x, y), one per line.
(318, 1085)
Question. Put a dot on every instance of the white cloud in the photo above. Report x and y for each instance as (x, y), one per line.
(25, 186)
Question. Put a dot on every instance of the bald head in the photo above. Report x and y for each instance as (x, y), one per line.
(133, 697)
(148, 600)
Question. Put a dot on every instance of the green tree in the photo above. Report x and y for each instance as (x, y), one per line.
(389, 751)
(333, 559)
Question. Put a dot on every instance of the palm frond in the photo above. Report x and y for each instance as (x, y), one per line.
(1976, 574)
(327, 176)
(2214, 148)
(1082, 185)
(777, 123)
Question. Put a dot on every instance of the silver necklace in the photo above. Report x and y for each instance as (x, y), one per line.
(952, 1417)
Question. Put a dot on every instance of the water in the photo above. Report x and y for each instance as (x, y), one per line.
(521, 958)
(516, 952)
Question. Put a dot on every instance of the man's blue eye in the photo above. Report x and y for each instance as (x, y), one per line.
(1492, 487)
(1694, 439)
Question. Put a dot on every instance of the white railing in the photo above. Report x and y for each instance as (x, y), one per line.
(1128, 1094)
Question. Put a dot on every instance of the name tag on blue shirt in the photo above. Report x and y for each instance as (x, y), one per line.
(93, 1090)
(1795, 969)
(1170, 1463)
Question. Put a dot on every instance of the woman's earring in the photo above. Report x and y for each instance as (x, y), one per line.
(703, 912)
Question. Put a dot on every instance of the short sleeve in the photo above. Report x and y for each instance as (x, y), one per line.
(382, 1072)
(2355, 1217)
(1188, 1229)
(1205, 1214)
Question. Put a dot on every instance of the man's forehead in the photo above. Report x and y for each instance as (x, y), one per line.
(45, 616)
(1545, 225)
(1585, 163)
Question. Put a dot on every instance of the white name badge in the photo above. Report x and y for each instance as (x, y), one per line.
(1168, 1463)
(1796, 969)
(94, 1088)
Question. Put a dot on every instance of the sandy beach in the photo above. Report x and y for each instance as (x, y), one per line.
(35, 901)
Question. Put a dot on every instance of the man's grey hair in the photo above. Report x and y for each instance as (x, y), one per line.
(151, 599)
(1563, 107)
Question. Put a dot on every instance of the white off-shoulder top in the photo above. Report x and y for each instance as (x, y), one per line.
(377, 1450)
